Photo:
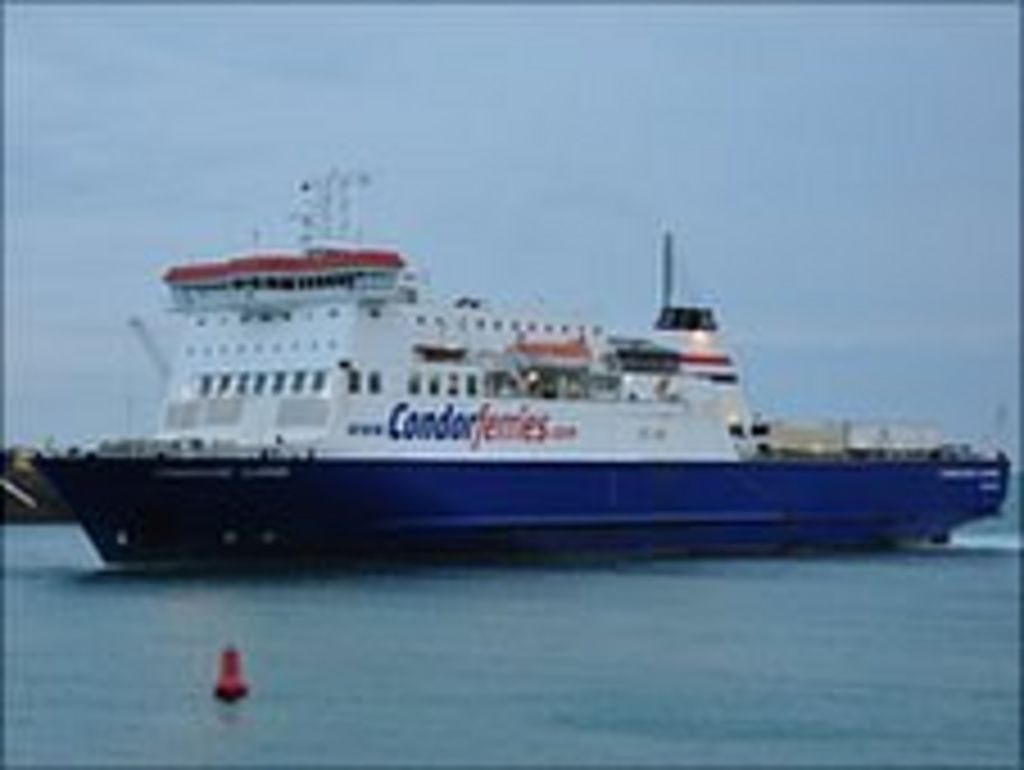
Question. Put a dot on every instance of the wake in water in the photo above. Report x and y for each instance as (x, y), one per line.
(990, 541)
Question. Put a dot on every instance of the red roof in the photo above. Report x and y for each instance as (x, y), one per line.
(315, 262)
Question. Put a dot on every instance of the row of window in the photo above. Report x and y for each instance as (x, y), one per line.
(498, 325)
(289, 283)
(451, 385)
(315, 382)
(258, 347)
(262, 383)
(463, 323)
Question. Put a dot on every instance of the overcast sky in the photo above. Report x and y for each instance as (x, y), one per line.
(843, 181)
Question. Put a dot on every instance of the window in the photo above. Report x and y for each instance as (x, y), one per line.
(298, 380)
(481, 324)
(225, 384)
(373, 382)
(259, 383)
(243, 384)
(453, 384)
(434, 385)
(470, 384)
(353, 381)
(205, 385)
(497, 326)
(279, 380)
(319, 380)
(414, 384)
(515, 326)
(439, 321)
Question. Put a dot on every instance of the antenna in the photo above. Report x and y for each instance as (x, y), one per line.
(328, 209)
(667, 263)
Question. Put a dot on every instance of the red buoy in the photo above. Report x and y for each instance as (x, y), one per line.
(230, 684)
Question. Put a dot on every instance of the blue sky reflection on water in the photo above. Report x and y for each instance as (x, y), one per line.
(844, 181)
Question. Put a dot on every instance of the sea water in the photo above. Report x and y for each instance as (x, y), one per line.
(867, 659)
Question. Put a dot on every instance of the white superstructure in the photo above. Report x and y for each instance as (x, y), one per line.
(339, 350)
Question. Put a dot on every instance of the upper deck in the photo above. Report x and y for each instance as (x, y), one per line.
(281, 280)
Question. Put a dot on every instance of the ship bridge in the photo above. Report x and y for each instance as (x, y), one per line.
(279, 281)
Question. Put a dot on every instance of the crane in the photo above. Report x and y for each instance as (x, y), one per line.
(153, 351)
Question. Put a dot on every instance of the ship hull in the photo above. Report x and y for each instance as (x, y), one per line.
(152, 510)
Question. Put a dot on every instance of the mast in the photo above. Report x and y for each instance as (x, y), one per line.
(667, 265)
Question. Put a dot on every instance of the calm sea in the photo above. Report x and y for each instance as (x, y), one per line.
(865, 659)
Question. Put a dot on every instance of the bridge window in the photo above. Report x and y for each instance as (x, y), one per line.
(298, 380)
(243, 384)
(205, 385)
(373, 382)
(414, 384)
(225, 384)
(354, 381)
(319, 380)
(471, 385)
(434, 385)
(259, 383)
(453, 384)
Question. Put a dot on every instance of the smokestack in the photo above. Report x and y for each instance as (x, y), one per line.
(667, 259)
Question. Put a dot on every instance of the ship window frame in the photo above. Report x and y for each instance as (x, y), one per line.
(279, 383)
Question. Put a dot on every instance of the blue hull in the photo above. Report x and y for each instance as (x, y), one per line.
(180, 510)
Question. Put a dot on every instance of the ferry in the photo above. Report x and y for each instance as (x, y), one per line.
(323, 403)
